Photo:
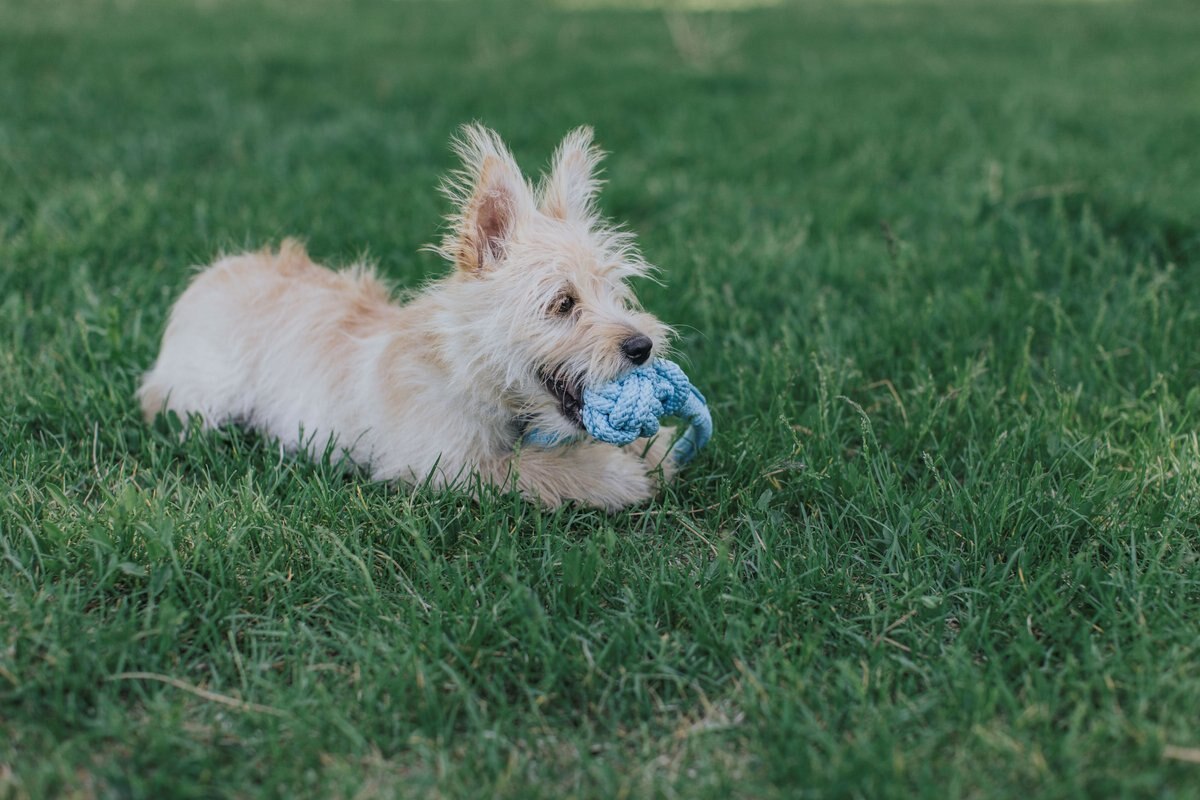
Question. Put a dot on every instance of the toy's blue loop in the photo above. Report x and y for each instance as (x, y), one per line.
(630, 407)
(695, 411)
(545, 439)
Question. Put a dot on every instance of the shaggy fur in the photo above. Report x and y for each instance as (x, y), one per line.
(441, 387)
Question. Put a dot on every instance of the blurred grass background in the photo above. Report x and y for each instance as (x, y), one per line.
(933, 264)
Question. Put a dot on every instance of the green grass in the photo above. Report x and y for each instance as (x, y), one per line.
(935, 267)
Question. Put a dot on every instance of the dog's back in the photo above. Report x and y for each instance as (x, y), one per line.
(263, 325)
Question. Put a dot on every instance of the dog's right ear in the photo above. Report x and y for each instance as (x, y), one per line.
(569, 191)
(491, 197)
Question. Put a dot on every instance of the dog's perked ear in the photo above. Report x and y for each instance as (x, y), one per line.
(569, 191)
(491, 197)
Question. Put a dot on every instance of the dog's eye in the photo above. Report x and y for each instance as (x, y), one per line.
(563, 305)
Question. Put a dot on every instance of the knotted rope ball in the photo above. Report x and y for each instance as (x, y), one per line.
(631, 406)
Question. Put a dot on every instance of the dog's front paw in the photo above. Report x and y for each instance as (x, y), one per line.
(589, 473)
(655, 451)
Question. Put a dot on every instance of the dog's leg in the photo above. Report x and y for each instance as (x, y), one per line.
(654, 451)
(588, 472)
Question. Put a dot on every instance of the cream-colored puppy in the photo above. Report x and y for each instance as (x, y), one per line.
(441, 387)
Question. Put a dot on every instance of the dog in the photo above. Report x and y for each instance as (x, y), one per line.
(442, 387)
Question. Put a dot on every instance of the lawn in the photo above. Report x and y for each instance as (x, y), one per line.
(933, 264)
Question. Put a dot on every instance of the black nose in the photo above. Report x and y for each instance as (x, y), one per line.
(637, 348)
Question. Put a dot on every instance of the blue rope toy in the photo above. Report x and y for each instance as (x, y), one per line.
(631, 406)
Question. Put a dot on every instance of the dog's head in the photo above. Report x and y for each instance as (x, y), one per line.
(541, 280)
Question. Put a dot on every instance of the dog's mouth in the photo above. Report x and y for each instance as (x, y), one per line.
(569, 395)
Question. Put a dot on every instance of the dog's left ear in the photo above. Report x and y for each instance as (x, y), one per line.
(491, 196)
(569, 191)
